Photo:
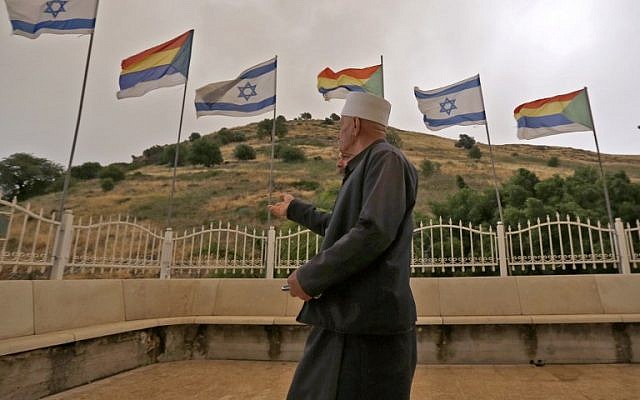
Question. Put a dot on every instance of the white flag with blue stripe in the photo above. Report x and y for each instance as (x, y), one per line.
(30, 18)
(457, 104)
(251, 93)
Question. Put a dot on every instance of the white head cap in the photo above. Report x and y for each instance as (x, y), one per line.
(367, 106)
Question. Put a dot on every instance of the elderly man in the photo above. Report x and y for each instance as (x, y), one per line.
(362, 344)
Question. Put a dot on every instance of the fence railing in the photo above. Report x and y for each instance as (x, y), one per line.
(42, 246)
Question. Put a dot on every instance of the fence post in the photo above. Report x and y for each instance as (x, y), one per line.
(271, 252)
(62, 245)
(622, 247)
(502, 250)
(166, 255)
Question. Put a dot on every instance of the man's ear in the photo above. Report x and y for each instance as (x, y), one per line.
(356, 126)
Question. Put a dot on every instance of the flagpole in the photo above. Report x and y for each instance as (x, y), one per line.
(602, 174)
(493, 165)
(177, 152)
(382, 74)
(67, 177)
(273, 141)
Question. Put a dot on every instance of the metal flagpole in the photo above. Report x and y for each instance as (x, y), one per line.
(604, 178)
(493, 165)
(273, 141)
(67, 177)
(382, 74)
(177, 153)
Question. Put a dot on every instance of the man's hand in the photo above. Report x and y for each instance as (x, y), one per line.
(280, 209)
(295, 290)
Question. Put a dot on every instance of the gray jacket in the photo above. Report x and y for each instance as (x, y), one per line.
(362, 270)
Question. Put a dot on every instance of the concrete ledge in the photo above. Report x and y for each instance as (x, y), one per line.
(486, 320)
(16, 309)
(576, 319)
(234, 320)
(27, 343)
(631, 318)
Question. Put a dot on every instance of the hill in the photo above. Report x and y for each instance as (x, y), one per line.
(237, 191)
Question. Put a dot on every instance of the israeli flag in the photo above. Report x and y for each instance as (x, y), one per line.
(457, 104)
(251, 93)
(30, 18)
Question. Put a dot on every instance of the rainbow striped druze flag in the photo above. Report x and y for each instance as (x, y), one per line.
(161, 66)
(336, 85)
(553, 115)
(30, 18)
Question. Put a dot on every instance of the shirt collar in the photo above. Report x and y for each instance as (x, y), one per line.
(353, 163)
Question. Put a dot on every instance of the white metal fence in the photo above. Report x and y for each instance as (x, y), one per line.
(43, 247)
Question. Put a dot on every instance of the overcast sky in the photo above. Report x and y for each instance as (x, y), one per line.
(523, 50)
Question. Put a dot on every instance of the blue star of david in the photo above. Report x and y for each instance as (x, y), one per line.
(448, 105)
(59, 3)
(243, 91)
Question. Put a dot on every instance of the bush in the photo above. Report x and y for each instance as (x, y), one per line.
(169, 154)
(393, 138)
(88, 170)
(107, 184)
(291, 154)
(305, 116)
(334, 117)
(474, 152)
(465, 141)
(429, 167)
(204, 152)
(194, 136)
(327, 121)
(553, 162)
(244, 152)
(460, 183)
(112, 171)
(225, 136)
(306, 185)
(265, 126)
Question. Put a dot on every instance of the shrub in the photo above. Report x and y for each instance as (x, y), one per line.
(305, 116)
(291, 154)
(194, 136)
(204, 152)
(112, 171)
(169, 154)
(88, 170)
(306, 185)
(474, 152)
(429, 167)
(244, 152)
(327, 121)
(393, 138)
(460, 183)
(553, 162)
(107, 184)
(225, 136)
(334, 117)
(465, 141)
(264, 127)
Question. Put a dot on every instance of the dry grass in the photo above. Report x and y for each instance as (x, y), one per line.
(237, 191)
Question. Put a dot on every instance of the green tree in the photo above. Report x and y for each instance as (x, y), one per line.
(244, 152)
(204, 152)
(23, 175)
(88, 170)
(264, 127)
(107, 184)
(115, 172)
(153, 155)
(465, 142)
(169, 154)
(334, 117)
(305, 116)
(194, 136)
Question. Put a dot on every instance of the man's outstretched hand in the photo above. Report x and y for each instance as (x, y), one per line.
(280, 209)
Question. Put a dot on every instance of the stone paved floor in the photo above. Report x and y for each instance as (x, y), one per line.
(230, 380)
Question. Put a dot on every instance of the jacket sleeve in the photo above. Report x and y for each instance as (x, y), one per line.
(308, 216)
(384, 204)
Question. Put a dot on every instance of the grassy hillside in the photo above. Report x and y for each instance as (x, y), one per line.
(237, 191)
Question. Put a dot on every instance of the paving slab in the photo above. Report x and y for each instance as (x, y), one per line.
(262, 380)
